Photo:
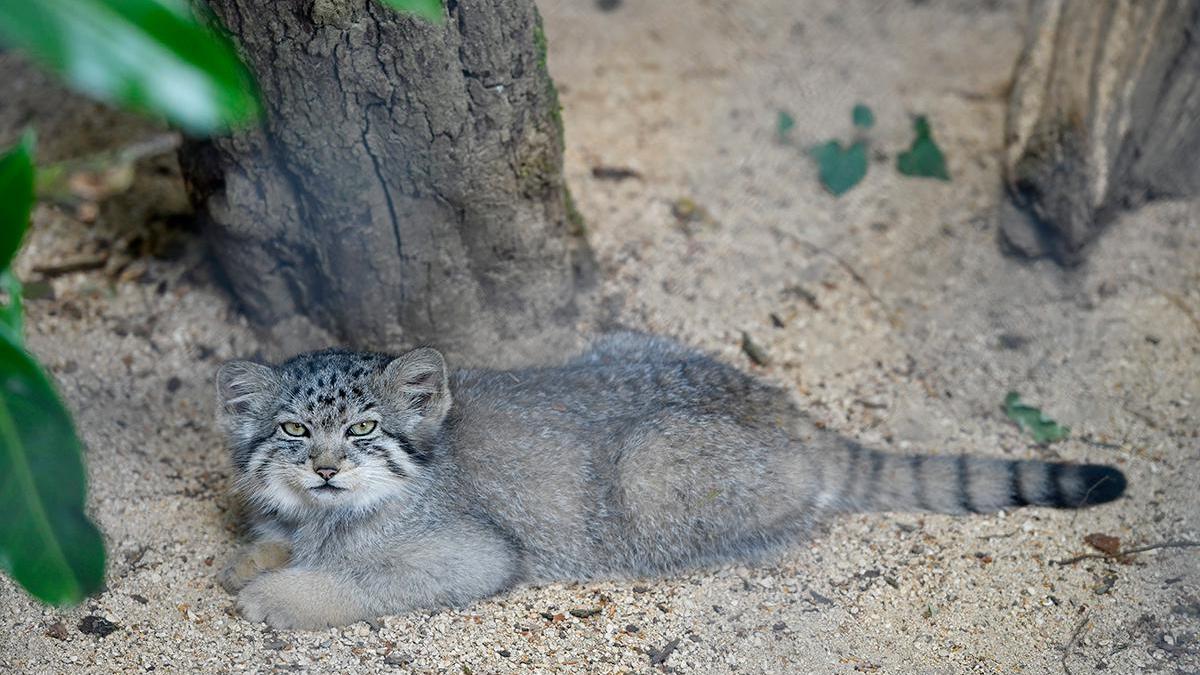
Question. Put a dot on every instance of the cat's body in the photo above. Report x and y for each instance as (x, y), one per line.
(639, 457)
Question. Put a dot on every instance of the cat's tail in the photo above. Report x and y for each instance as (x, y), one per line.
(881, 481)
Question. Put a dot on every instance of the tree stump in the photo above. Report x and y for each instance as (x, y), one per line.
(1104, 115)
(405, 185)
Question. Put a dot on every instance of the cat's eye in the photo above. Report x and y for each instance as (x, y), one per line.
(294, 429)
(362, 428)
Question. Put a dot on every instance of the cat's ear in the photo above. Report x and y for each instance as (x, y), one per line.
(242, 385)
(418, 380)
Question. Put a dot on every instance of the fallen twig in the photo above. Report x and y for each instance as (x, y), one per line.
(615, 173)
(1172, 298)
(1099, 444)
(1071, 644)
(858, 278)
(660, 656)
(77, 264)
(1006, 535)
(1127, 552)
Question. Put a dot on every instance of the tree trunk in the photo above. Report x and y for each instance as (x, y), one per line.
(1105, 114)
(405, 185)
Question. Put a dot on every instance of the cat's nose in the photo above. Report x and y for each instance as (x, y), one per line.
(326, 472)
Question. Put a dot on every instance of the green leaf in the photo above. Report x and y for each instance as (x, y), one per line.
(840, 168)
(47, 542)
(12, 314)
(151, 55)
(16, 197)
(784, 124)
(1033, 421)
(862, 116)
(924, 158)
(430, 10)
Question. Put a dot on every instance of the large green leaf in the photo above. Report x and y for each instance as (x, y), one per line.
(47, 542)
(16, 197)
(430, 10)
(151, 55)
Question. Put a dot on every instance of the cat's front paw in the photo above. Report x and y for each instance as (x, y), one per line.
(300, 599)
(252, 560)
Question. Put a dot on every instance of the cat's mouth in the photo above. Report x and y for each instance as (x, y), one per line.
(327, 487)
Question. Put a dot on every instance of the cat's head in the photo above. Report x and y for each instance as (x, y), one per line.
(331, 430)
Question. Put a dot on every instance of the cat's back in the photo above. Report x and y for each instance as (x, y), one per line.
(622, 376)
(537, 448)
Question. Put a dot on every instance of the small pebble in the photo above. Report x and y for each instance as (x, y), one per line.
(398, 659)
(97, 625)
(754, 351)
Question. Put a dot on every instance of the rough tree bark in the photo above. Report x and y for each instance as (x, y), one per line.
(405, 185)
(1104, 114)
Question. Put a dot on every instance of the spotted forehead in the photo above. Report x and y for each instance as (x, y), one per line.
(327, 387)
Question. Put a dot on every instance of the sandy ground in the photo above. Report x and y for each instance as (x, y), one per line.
(902, 325)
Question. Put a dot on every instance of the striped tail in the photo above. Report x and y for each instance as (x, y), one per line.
(881, 481)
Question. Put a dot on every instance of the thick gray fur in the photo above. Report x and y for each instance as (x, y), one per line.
(638, 457)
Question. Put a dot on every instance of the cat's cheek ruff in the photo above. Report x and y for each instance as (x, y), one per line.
(373, 484)
(270, 488)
